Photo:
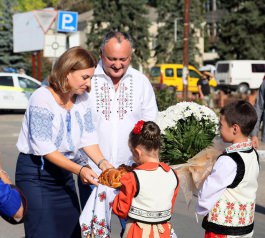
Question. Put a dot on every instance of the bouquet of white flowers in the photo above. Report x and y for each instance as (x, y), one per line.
(188, 133)
(188, 145)
(186, 129)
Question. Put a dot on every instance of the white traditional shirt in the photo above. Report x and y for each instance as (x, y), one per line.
(233, 211)
(48, 127)
(223, 174)
(118, 111)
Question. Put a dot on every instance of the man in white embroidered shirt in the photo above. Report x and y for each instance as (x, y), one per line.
(121, 96)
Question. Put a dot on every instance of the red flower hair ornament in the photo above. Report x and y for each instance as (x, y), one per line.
(138, 127)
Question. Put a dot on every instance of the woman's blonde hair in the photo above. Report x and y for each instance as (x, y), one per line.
(76, 58)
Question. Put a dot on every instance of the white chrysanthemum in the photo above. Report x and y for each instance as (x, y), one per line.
(184, 110)
(164, 120)
(197, 121)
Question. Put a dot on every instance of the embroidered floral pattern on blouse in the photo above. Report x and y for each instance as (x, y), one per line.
(81, 158)
(103, 99)
(85, 230)
(125, 99)
(98, 227)
(68, 122)
(243, 146)
(232, 213)
(80, 123)
(149, 214)
(102, 196)
(60, 134)
(40, 123)
(89, 126)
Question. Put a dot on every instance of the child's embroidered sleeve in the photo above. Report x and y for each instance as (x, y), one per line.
(222, 175)
(123, 200)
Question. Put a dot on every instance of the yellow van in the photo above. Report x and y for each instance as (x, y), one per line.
(171, 75)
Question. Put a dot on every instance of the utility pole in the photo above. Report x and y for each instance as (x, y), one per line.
(185, 71)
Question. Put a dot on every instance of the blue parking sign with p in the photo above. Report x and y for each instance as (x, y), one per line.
(67, 21)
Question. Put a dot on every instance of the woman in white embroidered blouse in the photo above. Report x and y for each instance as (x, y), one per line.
(58, 122)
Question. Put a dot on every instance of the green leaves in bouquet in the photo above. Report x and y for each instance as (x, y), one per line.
(185, 140)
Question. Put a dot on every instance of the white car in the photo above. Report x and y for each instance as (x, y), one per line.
(15, 90)
(240, 75)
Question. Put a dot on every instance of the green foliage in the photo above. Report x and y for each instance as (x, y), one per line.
(167, 50)
(79, 6)
(242, 30)
(7, 57)
(165, 96)
(152, 3)
(122, 15)
(29, 5)
(185, 140)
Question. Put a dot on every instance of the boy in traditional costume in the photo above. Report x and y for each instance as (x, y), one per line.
(227, 198)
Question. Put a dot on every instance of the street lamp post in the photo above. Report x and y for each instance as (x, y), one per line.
(176, 28)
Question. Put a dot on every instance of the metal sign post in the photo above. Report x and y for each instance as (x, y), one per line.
(185, 73)
(35, 31)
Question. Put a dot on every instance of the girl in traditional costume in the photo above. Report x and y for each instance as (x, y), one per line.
(148, 194)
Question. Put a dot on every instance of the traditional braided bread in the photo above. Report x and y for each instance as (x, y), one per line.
(111, 177)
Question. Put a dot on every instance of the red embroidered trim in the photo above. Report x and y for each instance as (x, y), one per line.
(138, 127)
(209, 234)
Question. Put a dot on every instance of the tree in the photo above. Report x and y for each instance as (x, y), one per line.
(79, 6)
(30, 5)
(121, 15)
(241, 31)
(7, 57)
(169, 12)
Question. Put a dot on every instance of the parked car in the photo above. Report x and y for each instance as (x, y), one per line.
(239, 75)
(171, 75)
(15, 90)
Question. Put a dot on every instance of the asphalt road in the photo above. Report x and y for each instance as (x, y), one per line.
(183, 220)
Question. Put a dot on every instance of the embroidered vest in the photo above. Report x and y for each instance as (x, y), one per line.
(233, 214)
(152, 202)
